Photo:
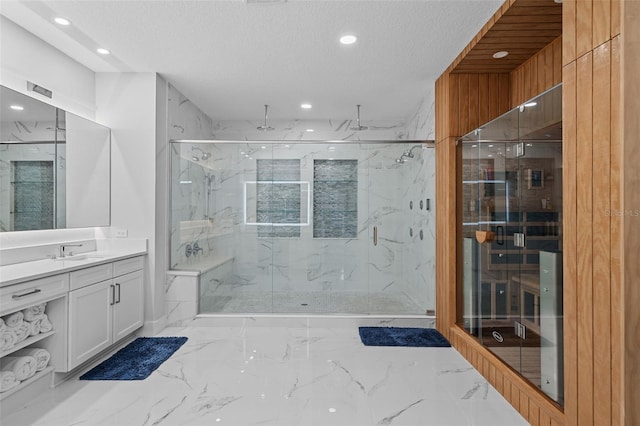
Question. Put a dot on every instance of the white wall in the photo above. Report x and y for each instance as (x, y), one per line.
(126, 102)
(25, 57)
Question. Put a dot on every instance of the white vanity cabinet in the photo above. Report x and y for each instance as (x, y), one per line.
(103, 311)
(53, 291)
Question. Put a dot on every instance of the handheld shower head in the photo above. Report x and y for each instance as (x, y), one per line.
(359, 127)
(265, 126)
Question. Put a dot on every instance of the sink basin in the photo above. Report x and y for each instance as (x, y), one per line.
(71, 258)
(77, 258)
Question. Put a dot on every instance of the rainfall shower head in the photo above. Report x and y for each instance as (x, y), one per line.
(265, 126)
(358, 127)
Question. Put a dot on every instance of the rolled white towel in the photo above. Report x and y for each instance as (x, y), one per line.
(22, 331)
(33, 313)
(14, 319)
(22, 366)
(41, 355)
(7, 380)
(45, 325)
(8, 340)
(34, 327)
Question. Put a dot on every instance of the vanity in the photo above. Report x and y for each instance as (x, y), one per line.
(92, 300)
(67, 297)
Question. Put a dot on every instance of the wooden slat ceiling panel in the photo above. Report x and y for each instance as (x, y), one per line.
(523, 29)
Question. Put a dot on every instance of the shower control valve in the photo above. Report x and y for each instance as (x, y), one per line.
(195, 248)
(192, 249)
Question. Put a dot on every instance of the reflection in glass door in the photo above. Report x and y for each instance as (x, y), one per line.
(512, 234)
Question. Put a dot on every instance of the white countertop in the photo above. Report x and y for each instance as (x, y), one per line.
(19, 272)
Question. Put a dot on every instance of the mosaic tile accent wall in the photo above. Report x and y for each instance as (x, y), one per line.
(278, 202)
(33, 195)
(335, 198)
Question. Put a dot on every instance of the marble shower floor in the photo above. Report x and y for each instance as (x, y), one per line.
(310, 302)
(254, 371)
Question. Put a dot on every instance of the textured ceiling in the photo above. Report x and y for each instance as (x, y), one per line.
(230, 58)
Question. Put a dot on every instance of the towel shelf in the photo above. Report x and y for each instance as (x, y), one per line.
(29, 341)
(25, 383)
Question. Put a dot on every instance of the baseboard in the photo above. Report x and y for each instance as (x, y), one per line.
(152, 328)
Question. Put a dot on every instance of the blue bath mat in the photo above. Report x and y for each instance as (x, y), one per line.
(137, 360)
(402, 336)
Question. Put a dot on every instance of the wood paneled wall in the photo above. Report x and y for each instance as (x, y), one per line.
(540, 73)
(601, 377)
(629, 295)
(601, 239)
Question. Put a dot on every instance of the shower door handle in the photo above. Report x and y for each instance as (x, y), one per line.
(375, 235)
(500, 230)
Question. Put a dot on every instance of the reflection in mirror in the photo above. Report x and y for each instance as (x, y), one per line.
(87, 173)
(54, 167)
(28, 193)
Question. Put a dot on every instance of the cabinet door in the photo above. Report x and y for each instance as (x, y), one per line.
(128, 311)
(90, 321)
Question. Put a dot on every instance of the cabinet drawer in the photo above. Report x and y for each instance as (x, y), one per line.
(126, 266)
(88, 276)
(23, 295)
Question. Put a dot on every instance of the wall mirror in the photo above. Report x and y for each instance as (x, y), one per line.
(54, 167)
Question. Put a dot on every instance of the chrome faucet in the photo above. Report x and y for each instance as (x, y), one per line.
(63, 247)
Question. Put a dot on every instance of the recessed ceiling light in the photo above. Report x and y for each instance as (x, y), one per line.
(17, 107)
(500, 54)
(474, 146)
(348, 39)
(62, 21)
(489, 155)
(310, 130)
(490, 146)
(102, 51)
(305, 106)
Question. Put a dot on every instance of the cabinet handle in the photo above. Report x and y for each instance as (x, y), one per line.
(375, 235)
(118, 286)
(29, 293)
(113, 295)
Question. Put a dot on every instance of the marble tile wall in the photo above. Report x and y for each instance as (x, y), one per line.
(307, 263)
(400, 263)
(289, 130)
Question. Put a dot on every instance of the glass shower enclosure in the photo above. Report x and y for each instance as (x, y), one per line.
(511, 183)
(306, 227)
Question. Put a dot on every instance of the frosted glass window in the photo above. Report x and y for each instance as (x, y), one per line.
(277, 201)
(335, 198)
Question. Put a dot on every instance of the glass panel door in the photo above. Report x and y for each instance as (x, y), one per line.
(512, 239)
(540, 280)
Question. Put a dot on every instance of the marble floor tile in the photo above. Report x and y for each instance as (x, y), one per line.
(263, 372)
